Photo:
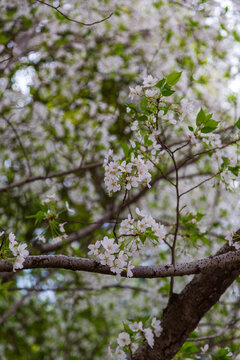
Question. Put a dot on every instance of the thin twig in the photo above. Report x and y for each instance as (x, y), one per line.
(177, 224)
(73, 289)
(73, 20)
(50, 176)
(118, 213)
(201, 183)
(20, 143)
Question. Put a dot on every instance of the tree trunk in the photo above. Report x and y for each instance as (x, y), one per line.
(186, 309)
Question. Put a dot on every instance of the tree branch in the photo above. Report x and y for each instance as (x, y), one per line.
(186, 309)
(50, 176)
(79, 288)
(73, 20)
(83, 264)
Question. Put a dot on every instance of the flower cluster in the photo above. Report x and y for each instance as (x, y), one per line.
(134, 331)
(112, 256)
(18, 250)
(127, 174)
(231, 236)
(148, 82)
(134, 237)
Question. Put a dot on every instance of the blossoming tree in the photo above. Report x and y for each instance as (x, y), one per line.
(119, 182)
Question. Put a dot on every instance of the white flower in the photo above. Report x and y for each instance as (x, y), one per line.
(13, 244)
(131, 182)
(191, 137)
(134, 126)
(129, 270)
(115, 268)
(61, 227)
(136, 91)
(108, 244)
(132, 93)
(53, 197)
(149, 336)
(13, 248)
(122, 257)
(136, 326)
(236, 245)
(12, 238)
(1, 233)
(94, 248)
(121, 354)
(139, 90)
(123, 339)
(41, 238)
(18, 264)
(140, 213)
(149, 81)
(68, 209)
(110, 352)
(17, 250)
(22, 250)
(157, 327)
(204, 349)
(106, 259)
(133, 144)
(229, 351)
(126, 226)
(112, 183)
(161, 232)
(229, 237)
(152, 92)
(125, 167)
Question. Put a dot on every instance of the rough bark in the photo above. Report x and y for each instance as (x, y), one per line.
(210, 264)
(186, 309)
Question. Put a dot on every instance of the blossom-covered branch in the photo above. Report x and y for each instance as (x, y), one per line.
(83, 264)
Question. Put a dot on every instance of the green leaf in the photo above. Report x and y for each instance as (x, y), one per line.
(167, 91)
(3, 39)
(199, 216)
(132, 107)
(174, 77)
(161, 84)
(234, 170)
(200, 117)
(142, 118)
(127, 329)
(225, 162)
(206, 120)
(210, 126)
(126, 149)
(191, 128)
(143, 104)
(142, 238)
(238, 123)
(147, 141)
(236, 35)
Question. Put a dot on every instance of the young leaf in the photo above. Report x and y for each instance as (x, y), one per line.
(201, 117)
(210, 126)
(238, 123)
(161, 84)
(174, 77)
(144, 104)
(126, 149)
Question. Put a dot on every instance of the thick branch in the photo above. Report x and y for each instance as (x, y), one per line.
(185, 310)
(83, 264)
